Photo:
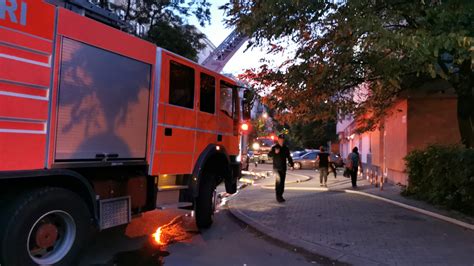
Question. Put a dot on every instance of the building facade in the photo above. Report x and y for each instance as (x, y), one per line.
(413, 122)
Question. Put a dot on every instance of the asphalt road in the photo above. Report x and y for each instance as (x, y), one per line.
(230, 242)
(227, 242)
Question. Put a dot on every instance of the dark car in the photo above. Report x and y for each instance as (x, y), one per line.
(307, 161)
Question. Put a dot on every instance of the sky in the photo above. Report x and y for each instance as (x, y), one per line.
(216, 32)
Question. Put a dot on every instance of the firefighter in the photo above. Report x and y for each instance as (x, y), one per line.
(280, 153)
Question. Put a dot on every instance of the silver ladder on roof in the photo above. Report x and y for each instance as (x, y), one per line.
(92, 9)
(224, 52)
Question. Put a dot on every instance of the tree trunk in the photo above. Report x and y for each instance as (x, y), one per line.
(466, 120)
(465, 92)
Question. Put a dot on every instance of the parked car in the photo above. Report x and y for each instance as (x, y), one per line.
(297, 154)
(307, 161)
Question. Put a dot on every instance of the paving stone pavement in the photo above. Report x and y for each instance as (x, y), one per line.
(390, 191)
(355, 229)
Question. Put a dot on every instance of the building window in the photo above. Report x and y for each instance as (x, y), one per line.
(227, 99)
(208, 94)
(181, 85)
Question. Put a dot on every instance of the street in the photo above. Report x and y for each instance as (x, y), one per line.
(311, 228)
(227, 242)
(353, 228)
(141, 132)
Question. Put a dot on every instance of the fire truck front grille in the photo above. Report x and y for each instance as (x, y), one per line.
(114, 211)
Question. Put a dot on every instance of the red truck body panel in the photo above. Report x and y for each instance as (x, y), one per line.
(25, 75)
(34, 77)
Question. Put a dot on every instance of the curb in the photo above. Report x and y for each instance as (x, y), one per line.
(265, 174)
(262, 174)
(303, 178)
(412, 208)
(393, 202)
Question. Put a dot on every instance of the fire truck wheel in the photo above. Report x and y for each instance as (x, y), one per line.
(47, 226)
(204, 206)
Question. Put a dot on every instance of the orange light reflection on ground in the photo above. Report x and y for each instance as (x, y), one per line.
(180, 229)
(157, 236)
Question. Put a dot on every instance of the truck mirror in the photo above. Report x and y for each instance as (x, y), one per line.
(247, 105)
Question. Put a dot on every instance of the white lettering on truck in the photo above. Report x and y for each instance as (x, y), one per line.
(11, 9)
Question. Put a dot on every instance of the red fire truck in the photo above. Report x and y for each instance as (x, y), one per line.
(96, 126)
(261, 147)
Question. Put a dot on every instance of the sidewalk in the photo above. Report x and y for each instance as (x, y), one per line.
(390, 191)
(353, 228)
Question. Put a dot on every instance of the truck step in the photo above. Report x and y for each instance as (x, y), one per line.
(179, 205)
(171, 187)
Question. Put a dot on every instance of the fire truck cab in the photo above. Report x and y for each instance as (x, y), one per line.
(96, 126)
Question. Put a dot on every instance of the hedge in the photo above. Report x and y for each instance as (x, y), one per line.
(442, 175)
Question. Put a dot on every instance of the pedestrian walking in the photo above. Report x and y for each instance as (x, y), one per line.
(323, 160)
(280, 154)
(353, 164)
(332, 167)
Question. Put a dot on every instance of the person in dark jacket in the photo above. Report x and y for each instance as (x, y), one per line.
(280, 154)
(354, 163)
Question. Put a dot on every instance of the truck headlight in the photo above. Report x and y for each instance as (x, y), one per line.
(256, 146)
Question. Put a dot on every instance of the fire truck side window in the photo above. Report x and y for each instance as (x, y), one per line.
(181, 85)
(208, 94)
(227, 99)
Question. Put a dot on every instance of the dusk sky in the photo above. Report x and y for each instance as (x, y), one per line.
(217, 32)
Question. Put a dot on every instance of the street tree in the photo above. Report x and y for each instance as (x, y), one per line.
(166, 23)
(259, 128)
(356, 57)
(311, 135)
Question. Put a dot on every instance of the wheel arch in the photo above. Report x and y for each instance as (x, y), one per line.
(67, 179)
(214, 158)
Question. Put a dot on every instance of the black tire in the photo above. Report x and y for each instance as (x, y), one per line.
(297, 166)
(204, 204)
(24, 212)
